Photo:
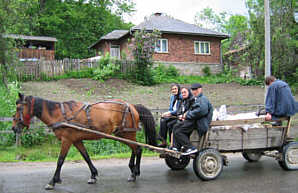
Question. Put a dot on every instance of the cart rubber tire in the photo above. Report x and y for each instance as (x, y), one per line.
(177, 164)
(208, 164)
(289, 156)
(252, 156)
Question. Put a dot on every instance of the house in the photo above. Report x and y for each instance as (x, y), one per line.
(186, 46)
(34, 47)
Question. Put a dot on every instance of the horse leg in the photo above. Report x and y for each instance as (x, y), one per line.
(138, 161)
(131, 165)
(134, 163)
(65, 145)
(80, 146)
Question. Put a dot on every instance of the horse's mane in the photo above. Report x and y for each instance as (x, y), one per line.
(50, 105)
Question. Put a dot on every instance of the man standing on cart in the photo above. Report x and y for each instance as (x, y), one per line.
(199, 116)
(280, 101)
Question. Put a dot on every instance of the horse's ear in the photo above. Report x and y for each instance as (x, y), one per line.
(21, 96)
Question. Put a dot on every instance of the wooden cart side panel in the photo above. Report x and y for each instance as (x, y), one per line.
(237, 138)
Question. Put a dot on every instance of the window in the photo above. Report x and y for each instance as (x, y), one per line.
(115, 51)
(161, 46)
(202, 47)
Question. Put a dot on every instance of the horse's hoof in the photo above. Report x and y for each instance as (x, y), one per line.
(92, 181)
(49, 187)
(131, 179)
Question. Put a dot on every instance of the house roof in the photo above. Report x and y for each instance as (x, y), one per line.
(114, 35)
(38, 38)
(164, 23)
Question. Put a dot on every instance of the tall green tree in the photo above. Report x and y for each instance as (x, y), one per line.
(12, 19)
(222, 22)
(283, 38)
(78, 24)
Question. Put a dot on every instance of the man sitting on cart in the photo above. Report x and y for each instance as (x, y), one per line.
(199, 116)
(280, 101)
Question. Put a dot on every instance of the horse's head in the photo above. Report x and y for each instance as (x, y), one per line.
(24, 113)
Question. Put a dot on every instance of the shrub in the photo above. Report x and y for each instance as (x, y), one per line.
(161, 73)
(206, 71)
(106, 68)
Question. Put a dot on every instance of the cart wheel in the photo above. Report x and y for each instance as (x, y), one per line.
(289, 156)
(177, 164)
(252, 156)
(208, 164)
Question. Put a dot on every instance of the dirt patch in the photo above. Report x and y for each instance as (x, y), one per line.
(153, 97)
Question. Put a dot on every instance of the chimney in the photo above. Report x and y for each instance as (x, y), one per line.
(157, 14)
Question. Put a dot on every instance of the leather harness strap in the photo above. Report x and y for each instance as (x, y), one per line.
(87, 108)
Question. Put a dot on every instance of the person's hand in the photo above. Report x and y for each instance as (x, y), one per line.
(166, 114)
(180, 117)
(268, 117)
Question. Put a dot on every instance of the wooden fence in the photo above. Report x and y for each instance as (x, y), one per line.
(36, 70)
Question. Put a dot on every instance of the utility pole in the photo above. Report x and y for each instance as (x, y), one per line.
(267, 42)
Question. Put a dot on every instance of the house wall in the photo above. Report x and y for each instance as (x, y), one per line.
(181, 49)
(180, 53)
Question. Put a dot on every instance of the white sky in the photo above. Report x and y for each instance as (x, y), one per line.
(184, 10)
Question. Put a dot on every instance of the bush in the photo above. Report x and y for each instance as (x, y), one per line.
(7, 102)
(107, 68)
(206, 71)
(161, 73)
(33, 137)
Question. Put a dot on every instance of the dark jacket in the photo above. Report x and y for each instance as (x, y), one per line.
(172, 103)
(280, 101)
(185, 104)
(201, 111)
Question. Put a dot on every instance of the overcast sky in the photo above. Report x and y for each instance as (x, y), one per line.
(184, 10)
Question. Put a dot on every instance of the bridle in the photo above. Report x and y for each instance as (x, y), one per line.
(24, 121)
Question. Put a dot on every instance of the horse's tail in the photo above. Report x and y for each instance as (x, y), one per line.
(148, 122)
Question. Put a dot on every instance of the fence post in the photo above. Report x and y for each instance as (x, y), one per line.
(18, 139)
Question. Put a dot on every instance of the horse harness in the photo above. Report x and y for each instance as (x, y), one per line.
(87, 108)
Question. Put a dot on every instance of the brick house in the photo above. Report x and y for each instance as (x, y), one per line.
(34, 47)
(186, 46)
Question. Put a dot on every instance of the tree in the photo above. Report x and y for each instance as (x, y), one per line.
(222, 22)
(207, 18)
(142, 46)
(283, 38)
(11, 18)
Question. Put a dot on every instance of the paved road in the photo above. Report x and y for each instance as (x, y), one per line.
(264, 176)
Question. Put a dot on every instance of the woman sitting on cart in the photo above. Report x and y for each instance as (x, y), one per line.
(198, 116)
(168, 119)
(186, 103)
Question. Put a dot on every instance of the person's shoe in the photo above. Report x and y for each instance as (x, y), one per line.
(190, 151)
(163, 145)
(277, 123)
(173, 148)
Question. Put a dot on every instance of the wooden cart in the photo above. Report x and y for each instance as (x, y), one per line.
(267, 140)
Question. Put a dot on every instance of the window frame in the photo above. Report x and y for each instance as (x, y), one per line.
(161, 46)
(199, 48)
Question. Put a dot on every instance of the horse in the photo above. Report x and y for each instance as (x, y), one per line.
(110, 117)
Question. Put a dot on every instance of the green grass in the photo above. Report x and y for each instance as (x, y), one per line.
(49, 151)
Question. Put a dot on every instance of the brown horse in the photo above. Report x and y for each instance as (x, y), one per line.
(110, 117)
